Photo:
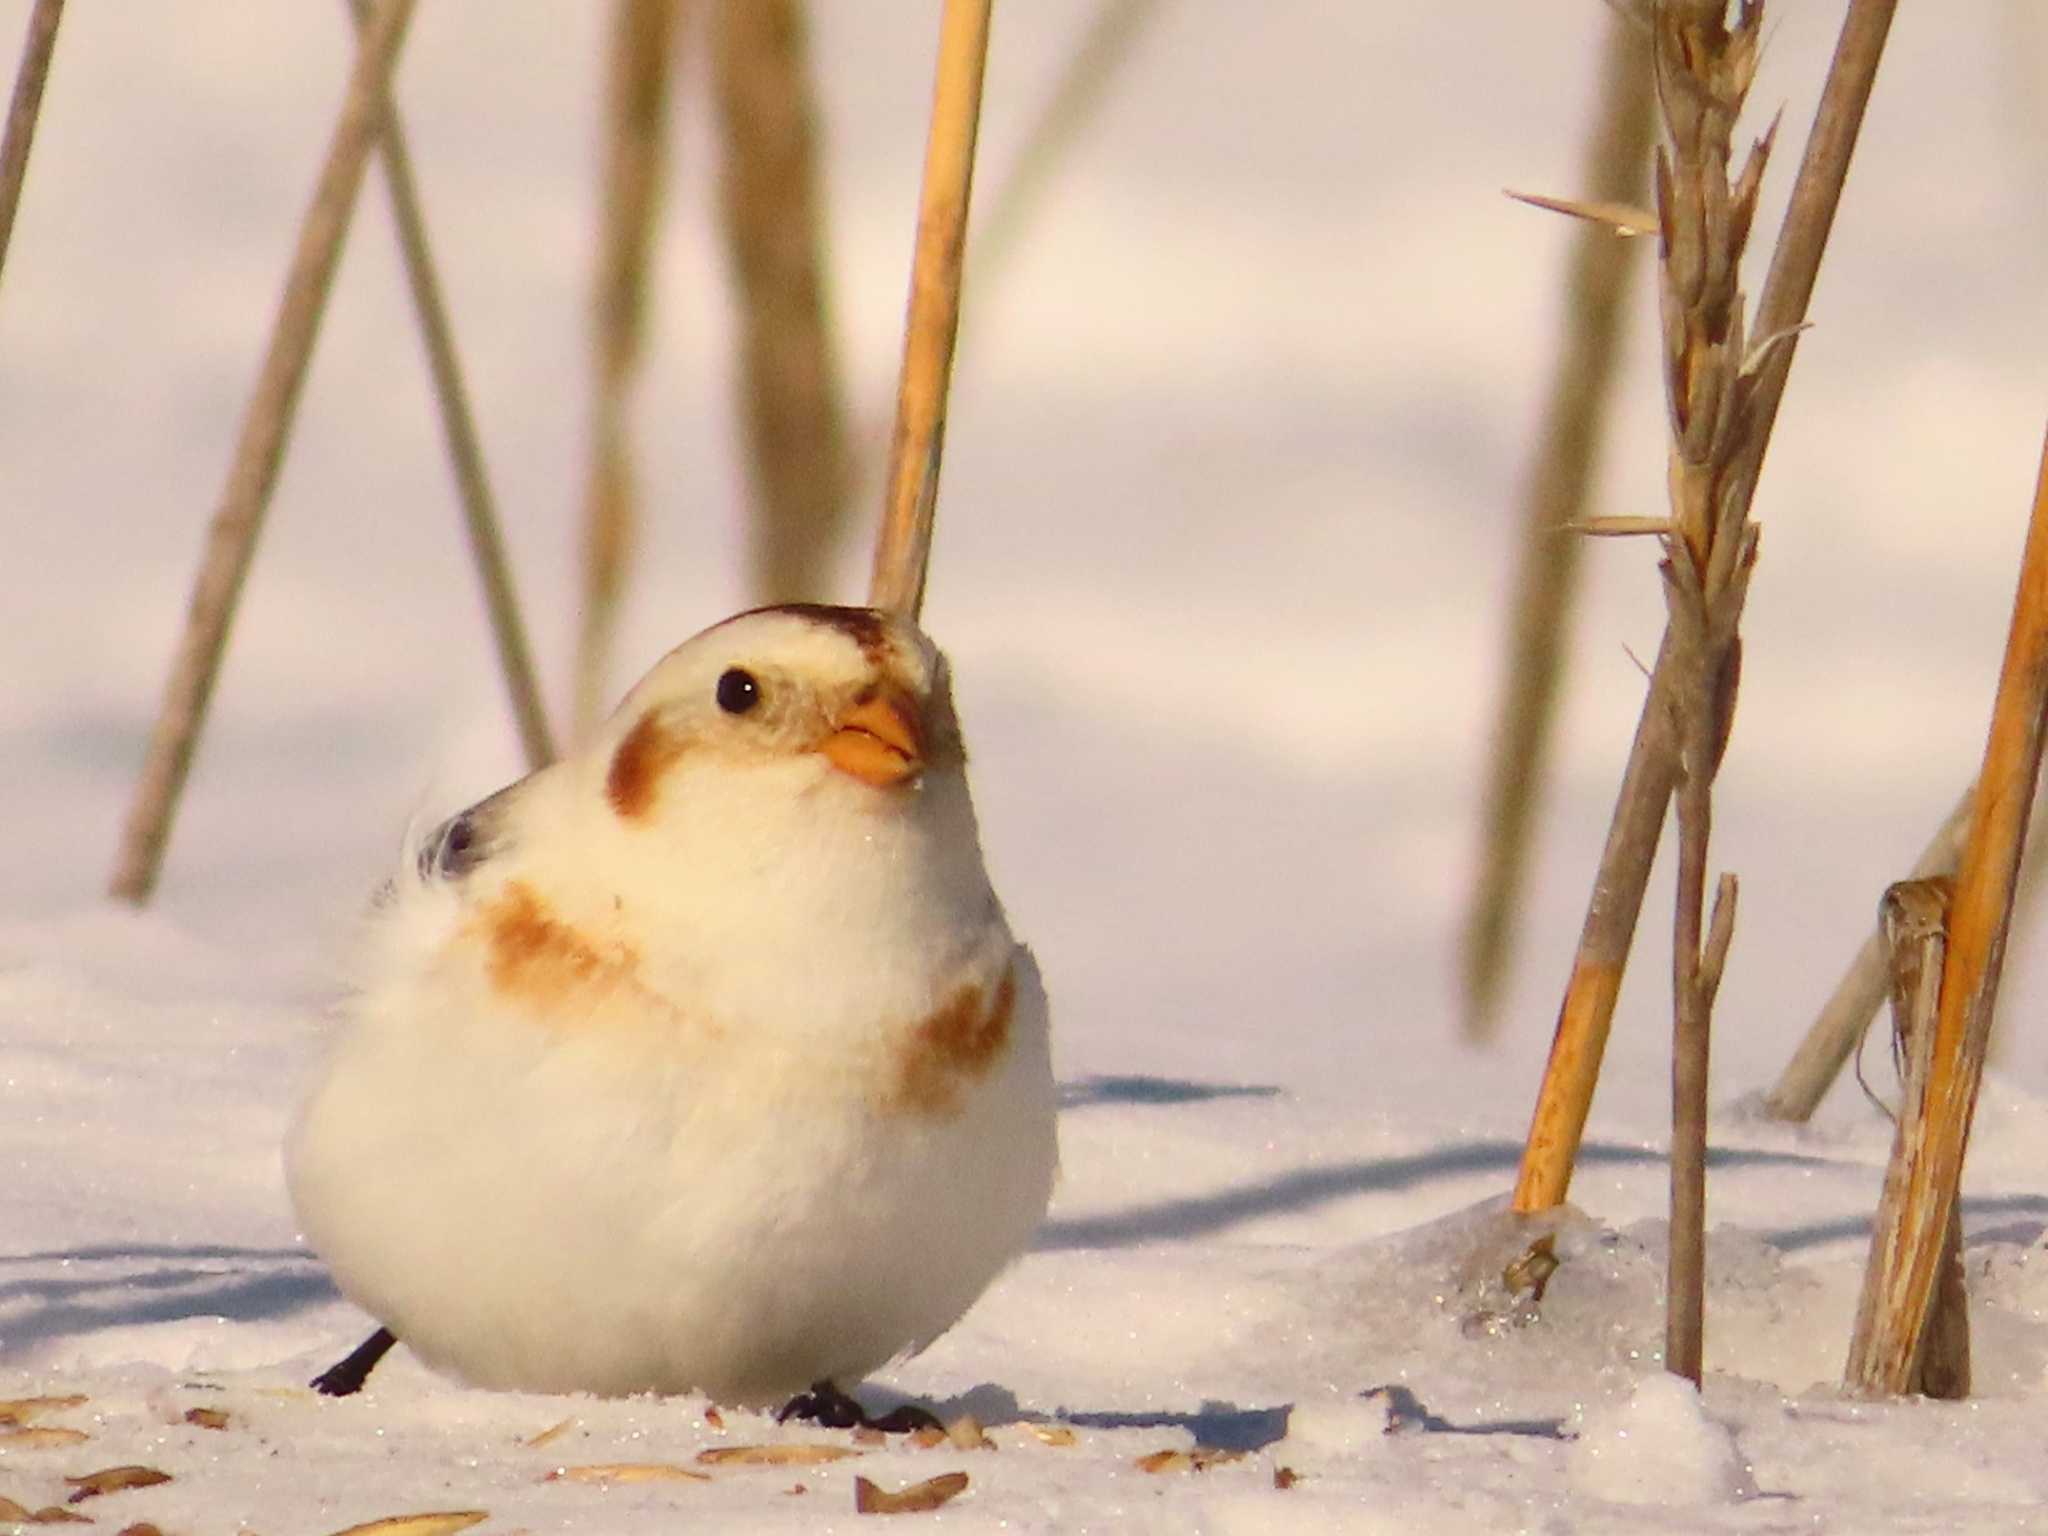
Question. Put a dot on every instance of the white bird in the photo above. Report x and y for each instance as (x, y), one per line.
(703, 1060)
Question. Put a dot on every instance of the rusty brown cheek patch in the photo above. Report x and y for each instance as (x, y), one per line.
(956, 1045)
(642, 758)
(535, 958)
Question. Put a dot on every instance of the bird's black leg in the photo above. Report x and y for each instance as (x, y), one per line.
(346, 1378)
(825, 1404)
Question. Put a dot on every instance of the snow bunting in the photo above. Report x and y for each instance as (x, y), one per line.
(703, 1060)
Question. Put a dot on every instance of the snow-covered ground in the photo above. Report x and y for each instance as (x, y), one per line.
(1236, 444)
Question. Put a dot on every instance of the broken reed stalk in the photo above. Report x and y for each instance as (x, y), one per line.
(458, 427)
(259, 452)
(1559, 487)
(635, 139)
(1703, 67)
(792, 397)
(903, 549)
(1587, 1011)
(22, 108)
(1845, 1016)
(1906, 1256)
(1913, 932)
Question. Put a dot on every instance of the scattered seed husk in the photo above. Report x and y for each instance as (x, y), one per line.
(1052, 1434)
(1285, 1477)
(867, 1434)
(1200, 1459)
(917, 1498)
(439, 1523)
(713, 1418)
(19, 1410)
(139, 1528)
(114, 1480)
(12, 1513)
(626, 1472)
(39, 1436)
(787, 1454)
(56, 1514)
(926, 1437)
(207, 1418)
(965, 1433)
(551, 1434)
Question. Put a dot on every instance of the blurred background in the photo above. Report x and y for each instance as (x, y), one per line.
(1239, 430)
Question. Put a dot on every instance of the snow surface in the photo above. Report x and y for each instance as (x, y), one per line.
(1236, 441)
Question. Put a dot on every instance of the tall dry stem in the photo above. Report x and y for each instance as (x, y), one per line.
(1560, 483)
(792, 396)
(903, 548)
(1907, 1247)
(1587, 1012)
(465, 449)
(23, 106)
(635, 144)
(259, 451)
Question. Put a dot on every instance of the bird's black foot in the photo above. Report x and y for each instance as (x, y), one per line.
(345, 1378)
(825, 1404)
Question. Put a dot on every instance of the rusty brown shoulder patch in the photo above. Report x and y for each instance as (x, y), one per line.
(535, 958)
(957, 1044)
(633, 779)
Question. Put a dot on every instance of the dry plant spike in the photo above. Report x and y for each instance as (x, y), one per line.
(259, 452)
(792, 395)
(1623, 219)
(1906, 1261)
(22, 108)
(636, 133)
(903, 550)
(1587, 1010)
(436, 1523)
(465, 449)
(868, 1499)
(1555, 497)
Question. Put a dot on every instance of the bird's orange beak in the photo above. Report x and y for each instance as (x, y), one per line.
(880, 741)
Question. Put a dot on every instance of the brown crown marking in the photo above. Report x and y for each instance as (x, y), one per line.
(867, 628)
(537, 959)
(955, 1045)
(647, 753)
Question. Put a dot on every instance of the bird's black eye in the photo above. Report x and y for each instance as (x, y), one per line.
(737, 691)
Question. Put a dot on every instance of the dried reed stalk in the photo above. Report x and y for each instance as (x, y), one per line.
(903, 549)
(790, 385)
(22, 108)
(465, 450)
(1587, 1011)
(1560, 482)
(635, 139)
(1907, 1244)
(259, 451)
(1703, 66)
(1913, 931)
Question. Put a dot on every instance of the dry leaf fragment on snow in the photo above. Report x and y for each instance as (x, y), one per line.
(551, 1434)
(918, 1497)
(114, 1480)
(439, 1523)
(626, 1472)
(207, 1418)
(38, 1436)
(791, 1453)
(19, 1410)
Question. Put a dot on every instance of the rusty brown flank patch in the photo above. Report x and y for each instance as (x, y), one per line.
(538, 959)
(642, 758)
(956, 1043)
